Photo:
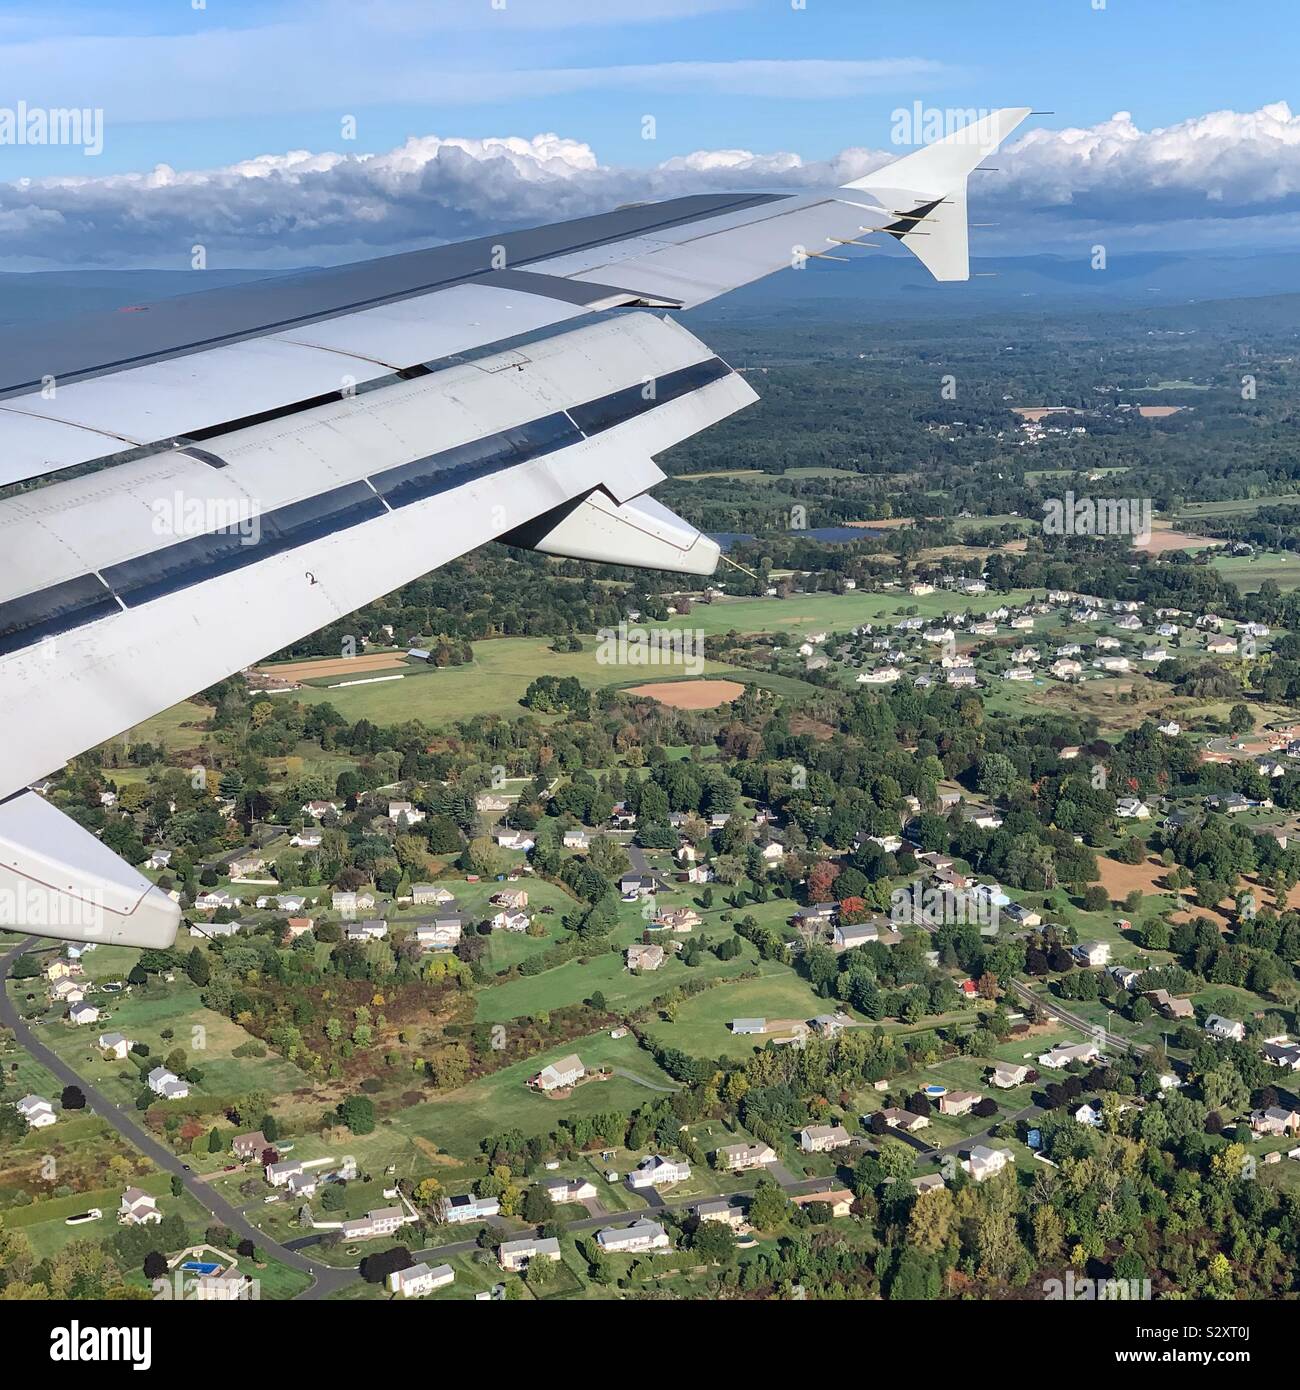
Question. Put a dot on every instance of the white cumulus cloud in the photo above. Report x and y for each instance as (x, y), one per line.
(1224, 177)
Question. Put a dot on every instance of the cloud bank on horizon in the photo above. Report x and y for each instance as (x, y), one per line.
(1226, 179)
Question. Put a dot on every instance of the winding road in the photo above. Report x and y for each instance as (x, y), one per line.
(325, 1278)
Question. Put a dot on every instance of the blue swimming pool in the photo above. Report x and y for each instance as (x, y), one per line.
(200, 1267)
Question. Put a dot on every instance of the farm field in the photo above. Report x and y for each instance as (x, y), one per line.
(1249, 572)
(494, 683)
(701, 694)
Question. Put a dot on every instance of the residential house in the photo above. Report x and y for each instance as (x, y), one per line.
(897, 1118)
(1225, 1029)
(738, 1158)
(512, 899)
(861, 933)
(928, 1182)
(138, 1208)
(419, 1279)
(516, 1255)
(1282, 1053)
(459, 1210)
(985, 1162)
(514, 839)
(1008, 1074)
(645, 957)
(1093, 953)
(442, 934)
(351, 903)
(1276, 1120)
(637, 885)
(657, 1171)
(430, 894)
(116, 1043)
(721, 1211)
(166, 1084)
(1064, 1053)
(642, 1236)
(37, 1111)
(1170, 1007)
(249, 1146)
(383, 1221)
(279, 1173)
(839, 1199)
(568, 1071)
(680, 919)
(577, 839)
(372, 930)
(1089, 1113)
(816, 1139)
(1132, 808)
(748, 1027)
(511, 921)
(398, 809)
(561, 1190)
(959, 1102)
(82, 1012)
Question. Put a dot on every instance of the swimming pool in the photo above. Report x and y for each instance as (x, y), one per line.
(936, 1090)
(200, 1267)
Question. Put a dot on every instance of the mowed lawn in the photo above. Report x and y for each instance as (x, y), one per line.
(458, 1121)
(209, 1040)
(702, 1025)
(1248, 572)
(606, 972)
(493, 683)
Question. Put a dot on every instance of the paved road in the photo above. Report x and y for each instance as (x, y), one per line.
(1050, 1006)
(125, 1123)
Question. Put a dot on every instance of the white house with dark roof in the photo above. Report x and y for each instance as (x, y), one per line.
(167, 1084)
(636, 1239)
(419, 1279)
(37, 1111)
(138, 1208)
(657, 1171)
(516, 1255)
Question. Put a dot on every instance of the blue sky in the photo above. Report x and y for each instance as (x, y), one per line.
(280, 76)
(212, 88)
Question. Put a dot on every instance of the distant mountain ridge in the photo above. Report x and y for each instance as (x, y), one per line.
(877, 286)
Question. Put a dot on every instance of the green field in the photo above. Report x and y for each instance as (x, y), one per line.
(458, 1121)
(1248, 572)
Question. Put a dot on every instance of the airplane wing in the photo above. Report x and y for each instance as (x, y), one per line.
(190, 485)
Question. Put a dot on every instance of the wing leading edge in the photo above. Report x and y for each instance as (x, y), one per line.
(250, 465)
